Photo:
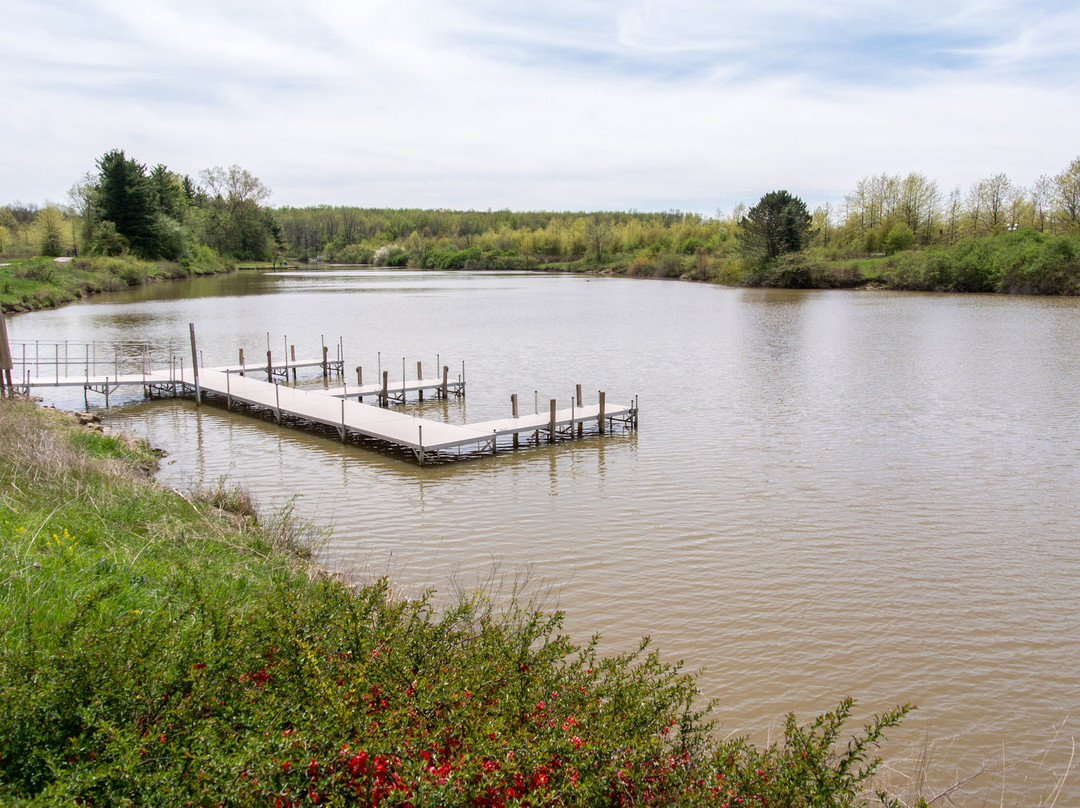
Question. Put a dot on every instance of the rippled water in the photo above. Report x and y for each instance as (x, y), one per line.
(830, 493)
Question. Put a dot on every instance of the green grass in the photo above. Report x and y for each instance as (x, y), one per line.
(36, 283)
(159, 649)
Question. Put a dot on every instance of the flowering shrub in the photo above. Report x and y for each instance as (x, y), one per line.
(141, 667)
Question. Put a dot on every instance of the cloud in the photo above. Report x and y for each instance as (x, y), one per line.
(563, 105)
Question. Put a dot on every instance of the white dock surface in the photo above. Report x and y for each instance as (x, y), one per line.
(331, 407)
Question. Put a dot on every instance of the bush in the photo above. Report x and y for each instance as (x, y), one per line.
(154, 654)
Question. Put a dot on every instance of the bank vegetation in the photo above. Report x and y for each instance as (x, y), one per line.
(159, 648)
(891, 231)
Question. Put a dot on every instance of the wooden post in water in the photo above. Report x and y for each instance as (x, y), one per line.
(269, 366)
(6, 362)
(445, 382)
(385, 399)
(600, 419)
(277, 403)
(325, 367)
(228, 391)
(551, 436)
(194, 370)
(420, 378)
(292, 352)
(514, 411)
(420, 441)
(580, 427)
(242, 368)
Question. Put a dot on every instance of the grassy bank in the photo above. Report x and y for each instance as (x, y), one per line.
(1022, 262)
(38, 283)
(167, 650)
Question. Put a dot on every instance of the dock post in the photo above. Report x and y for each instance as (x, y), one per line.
(580, 427)
(572, 418)
(292, 351)
(243, 366)
(325, 368)
(514, 410)
(600, 418)
(385, 398)
(551, 436)
(342, 420)
(228, 392)
(420, 378)
(6, 363)
(269, 366)
(359, 376)
(445, 384)
(277, 403)
(194, 370)
(420, 440)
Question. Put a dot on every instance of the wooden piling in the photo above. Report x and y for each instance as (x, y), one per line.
(6, 362)
(551, 427)
(385, 398)
(194, 370)
(514, 412)
(600, 418)
(580, 427)
(445, 384)
(269, 366)
(420, 377)
(325, 367)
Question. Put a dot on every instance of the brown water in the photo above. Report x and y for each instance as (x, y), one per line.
(830, 493)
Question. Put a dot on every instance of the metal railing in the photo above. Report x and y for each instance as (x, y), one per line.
(70, 360)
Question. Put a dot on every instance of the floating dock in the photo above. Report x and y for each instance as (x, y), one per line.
(343, 409)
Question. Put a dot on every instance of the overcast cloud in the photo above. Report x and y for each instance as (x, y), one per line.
(547, 105)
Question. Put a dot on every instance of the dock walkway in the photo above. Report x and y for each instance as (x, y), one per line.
(342, 408)
(427, 440)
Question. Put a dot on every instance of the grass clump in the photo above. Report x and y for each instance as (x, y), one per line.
(153, 652)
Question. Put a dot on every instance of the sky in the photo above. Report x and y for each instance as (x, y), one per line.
(543, 105)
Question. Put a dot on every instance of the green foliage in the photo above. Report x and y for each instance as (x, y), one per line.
(779, 223)
(1024, 262)
(898, 239)
(39, 283)
(153, 654)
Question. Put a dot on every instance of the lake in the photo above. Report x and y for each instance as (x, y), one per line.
(830, 493)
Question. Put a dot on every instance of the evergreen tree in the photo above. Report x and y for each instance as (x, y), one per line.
(779, 223)
(126, 198)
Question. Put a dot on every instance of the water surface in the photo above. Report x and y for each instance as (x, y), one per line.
(830, 493)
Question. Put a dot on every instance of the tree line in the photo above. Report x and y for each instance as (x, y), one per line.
(883, 214)
(123, 208)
